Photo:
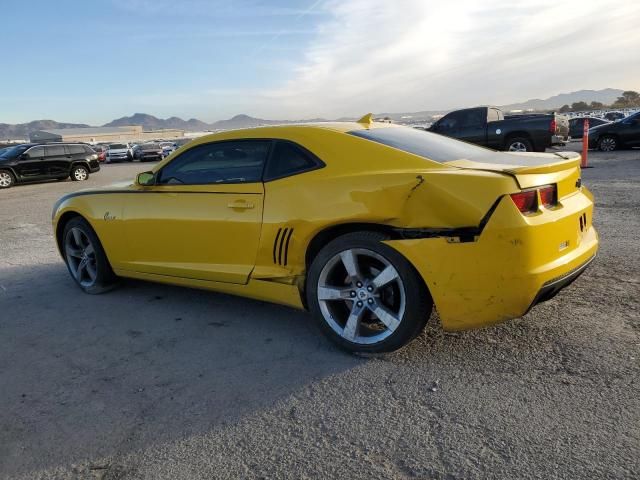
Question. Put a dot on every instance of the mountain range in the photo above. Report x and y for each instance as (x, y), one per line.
(149, 122)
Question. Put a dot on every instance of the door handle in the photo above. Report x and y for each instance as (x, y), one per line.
(241, 205)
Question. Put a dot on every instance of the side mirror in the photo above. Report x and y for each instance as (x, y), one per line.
(146, 179)
(24, 156)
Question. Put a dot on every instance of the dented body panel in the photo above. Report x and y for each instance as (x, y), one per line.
(481, 259)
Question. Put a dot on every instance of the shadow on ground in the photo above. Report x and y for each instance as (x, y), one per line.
(86, 375)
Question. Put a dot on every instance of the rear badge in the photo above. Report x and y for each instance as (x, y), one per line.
(563, 245)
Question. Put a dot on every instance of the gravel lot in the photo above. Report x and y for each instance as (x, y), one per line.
(160, 382)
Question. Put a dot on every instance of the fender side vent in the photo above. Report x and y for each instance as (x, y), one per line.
(281, 246)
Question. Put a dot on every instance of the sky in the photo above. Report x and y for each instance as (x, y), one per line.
(90, 61)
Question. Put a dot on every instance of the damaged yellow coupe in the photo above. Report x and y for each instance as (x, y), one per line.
(367, 225)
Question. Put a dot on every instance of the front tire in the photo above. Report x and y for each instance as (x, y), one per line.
(6, 179)
(365, 296)
(79, 173)
(85, 258)
(607, 144)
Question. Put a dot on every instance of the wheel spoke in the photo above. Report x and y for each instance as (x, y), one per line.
(386, 317)
(350, 262)
(386, 276)
(91, 271)
(77, 237)
(73, 252)
(351, 328)
(334, 293)
(79, 269)
(89, 249)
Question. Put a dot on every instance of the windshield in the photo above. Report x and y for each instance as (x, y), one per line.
(117, 146)
(11, 152)
(426, 144)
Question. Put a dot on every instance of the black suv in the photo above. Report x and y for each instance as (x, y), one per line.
(43, 161)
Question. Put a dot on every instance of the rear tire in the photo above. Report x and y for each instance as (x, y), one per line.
(85, 258)
(79, 173)
(365, 296)
(518, 144)
(7, 179)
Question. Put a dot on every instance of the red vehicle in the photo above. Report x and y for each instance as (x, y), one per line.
(101, 150)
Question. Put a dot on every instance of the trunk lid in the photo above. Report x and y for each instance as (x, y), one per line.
(533, 169)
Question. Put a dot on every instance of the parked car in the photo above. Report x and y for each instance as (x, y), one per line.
(487, 126)
(168, 147)
(576, 125)
(35, 161)
(119, 152)
(101, 150)
(367, 225)
(613, 116)
(150, 151)
(623, 133)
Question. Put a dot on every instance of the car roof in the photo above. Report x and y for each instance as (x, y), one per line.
(253, 132)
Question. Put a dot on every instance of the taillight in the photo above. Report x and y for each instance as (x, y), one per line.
(553, 125)
(549, 195)
(527, 202)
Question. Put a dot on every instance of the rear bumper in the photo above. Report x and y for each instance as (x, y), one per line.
(551, 288)
(515, 263)
(559, 140)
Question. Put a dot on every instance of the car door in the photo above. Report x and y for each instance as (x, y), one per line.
(468, 125)
(473, 126)
(203, 216)
(630, 131)
(57, 161)
(31, 165)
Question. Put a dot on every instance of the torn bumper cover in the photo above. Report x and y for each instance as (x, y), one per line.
(515, 262)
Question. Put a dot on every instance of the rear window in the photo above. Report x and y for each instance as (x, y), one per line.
(288, 159)
(426, 144)
(117, 146)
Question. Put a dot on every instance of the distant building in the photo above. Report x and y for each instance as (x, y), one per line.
(133, 133)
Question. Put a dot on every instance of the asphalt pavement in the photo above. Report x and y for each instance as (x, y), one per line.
(161, 382)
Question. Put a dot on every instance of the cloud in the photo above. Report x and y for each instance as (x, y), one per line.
(408, 55)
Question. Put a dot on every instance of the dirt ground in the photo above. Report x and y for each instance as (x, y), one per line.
(161, 382)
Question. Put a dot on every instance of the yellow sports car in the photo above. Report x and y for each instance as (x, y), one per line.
(366, 225)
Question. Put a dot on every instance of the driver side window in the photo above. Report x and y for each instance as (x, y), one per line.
(219, 162)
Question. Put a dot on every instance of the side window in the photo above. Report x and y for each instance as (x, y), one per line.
(473, 118)
(288, 159)
(219, 162)
(54, 151)
(74, 149)
(450, 121)
(35, 152)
